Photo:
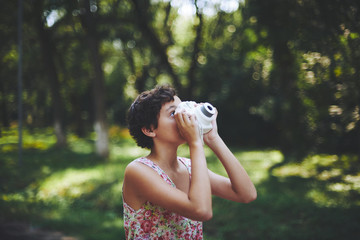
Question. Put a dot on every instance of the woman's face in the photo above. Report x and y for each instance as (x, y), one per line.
(167, 130)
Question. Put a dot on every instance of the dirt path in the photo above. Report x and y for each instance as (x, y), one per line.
(24, 231)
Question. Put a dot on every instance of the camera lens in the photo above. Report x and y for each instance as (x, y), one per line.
(207, 110)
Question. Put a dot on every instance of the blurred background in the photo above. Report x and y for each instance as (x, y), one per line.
(284, 75)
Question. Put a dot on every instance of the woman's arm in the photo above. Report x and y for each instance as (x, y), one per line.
(200, 187)
(238, 187)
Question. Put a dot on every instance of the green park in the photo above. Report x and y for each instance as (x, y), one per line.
(284, 76)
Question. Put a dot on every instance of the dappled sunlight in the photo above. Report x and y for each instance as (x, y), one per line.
(41, 140)
(334, 195)
(294, 169)
(70, 183)
(75, 183)
(16, 197)
(328, 174)
(257, 163)
(127, 151)
(339, 187)
(67, 188)
(354, 180)
(334, 174)
(85, 201)
(80, 145)
(321, 198)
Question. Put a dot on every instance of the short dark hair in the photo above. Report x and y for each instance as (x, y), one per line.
(145, 110)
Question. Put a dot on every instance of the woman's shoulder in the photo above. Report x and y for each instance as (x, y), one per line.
(136, 172)
(140, 167)
(135, 166)
(139, 162)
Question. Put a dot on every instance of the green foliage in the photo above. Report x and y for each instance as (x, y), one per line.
(282, 74)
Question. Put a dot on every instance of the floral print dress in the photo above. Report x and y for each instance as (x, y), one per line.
(154, 222)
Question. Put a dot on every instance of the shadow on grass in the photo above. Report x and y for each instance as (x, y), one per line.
(285, 210)
(39, 164)
(93, 212)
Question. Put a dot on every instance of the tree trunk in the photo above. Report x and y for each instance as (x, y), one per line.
(288, 109)
(48, 54)
(100, 125)
(89, 23)
(195, 54)
(4, 112)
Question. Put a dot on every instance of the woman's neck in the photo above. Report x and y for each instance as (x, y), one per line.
(166, 157)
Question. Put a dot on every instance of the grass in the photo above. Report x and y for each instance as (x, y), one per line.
(72, 191)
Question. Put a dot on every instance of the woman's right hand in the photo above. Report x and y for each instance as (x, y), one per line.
(188, 127)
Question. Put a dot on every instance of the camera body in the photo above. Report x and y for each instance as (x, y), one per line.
(204, 113)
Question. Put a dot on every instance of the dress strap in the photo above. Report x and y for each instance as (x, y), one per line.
(187, 163)
(154, 166)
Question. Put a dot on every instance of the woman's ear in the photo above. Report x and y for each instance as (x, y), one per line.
(148, 132)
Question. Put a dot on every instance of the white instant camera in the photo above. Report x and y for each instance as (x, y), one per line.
(204, 113)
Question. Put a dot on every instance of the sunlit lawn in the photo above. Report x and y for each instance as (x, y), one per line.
(74, 192)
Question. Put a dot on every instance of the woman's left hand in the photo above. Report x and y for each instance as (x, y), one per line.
(213, 133)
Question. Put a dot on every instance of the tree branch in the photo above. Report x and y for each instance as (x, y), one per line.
(140, 8)
(195, 54)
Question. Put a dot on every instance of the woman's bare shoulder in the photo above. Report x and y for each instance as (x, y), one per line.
(137, 169)
(141, 177)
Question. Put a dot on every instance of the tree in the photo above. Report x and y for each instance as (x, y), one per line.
(48, 51)
(283, 74)
(89, 21)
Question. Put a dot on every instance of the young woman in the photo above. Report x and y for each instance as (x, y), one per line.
(166, 196)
